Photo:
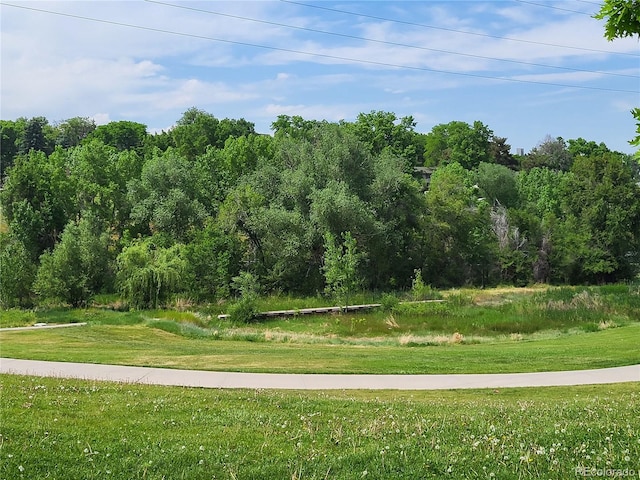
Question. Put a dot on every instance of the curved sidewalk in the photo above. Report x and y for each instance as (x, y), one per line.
(206, 379)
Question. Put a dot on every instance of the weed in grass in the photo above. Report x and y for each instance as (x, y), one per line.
(53, 428)
(391, 322)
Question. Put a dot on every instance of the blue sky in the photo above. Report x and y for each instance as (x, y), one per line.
(525, 69)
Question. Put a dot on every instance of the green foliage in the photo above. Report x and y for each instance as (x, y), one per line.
(197, 130)
(622, 18)
(213, 259)
(240, 201)
(17, 273)
(73, 131)
(147, 273)
(636, 140)
(497, 183)
(384, 131)
(539, 191)
(37, 136)
(340, 266)
(38, 199)
(123, 135)
(78, 266)
(420, 290)
(10, 133)
(164, 198)
(458, 142)
(550, 153)
(389, 302)
(245, 310)
(460, 242)
(246, 284)
(601, 221)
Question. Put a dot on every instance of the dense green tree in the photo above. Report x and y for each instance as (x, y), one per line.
(37, 135)
(73, 131)
(295, 127)
(161, 141)
(599, 237)
(123, 135)
(500, 152)
(78, 266)
(38, 199)
(398, 206)
(383, 130)
(213, 258)
(458, 142)
(497, 183)
(459, 238)
(580, 147)
(551, 153)
(10, 135)
(17, 273)
(513, 252)
(198, 130)
(233, 128)
(147, 273)
(92, 167)
(539, 191)
(238, 215)
(164, 198)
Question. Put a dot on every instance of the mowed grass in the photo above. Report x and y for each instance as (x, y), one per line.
(145, 346)
(72, 429)
(473, 331)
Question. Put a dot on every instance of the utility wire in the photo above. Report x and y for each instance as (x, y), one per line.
(556, 8)
(590, 3)
(386, 42)
(465, 32)
(315, 54)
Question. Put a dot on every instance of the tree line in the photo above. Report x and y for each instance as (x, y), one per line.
(211, 209)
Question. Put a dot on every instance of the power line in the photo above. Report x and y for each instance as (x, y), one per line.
(386, 42)
(555, 8)
(590, 3)
(465, 32)
(315, 54)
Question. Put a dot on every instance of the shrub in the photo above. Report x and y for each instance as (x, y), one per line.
(421, 291)
(389, 302)
(244, 310)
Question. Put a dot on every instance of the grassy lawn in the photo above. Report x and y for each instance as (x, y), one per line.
(71, 429)
(473, 331)
(142, 345)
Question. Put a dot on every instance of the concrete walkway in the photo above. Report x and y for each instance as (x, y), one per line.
(204, 379)
(43, 326)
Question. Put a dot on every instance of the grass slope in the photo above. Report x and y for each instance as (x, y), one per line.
(71, 429)
(141, 345)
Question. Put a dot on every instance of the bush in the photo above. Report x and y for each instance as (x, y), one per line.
(389, 302)
(421, 291)
(244, 310)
